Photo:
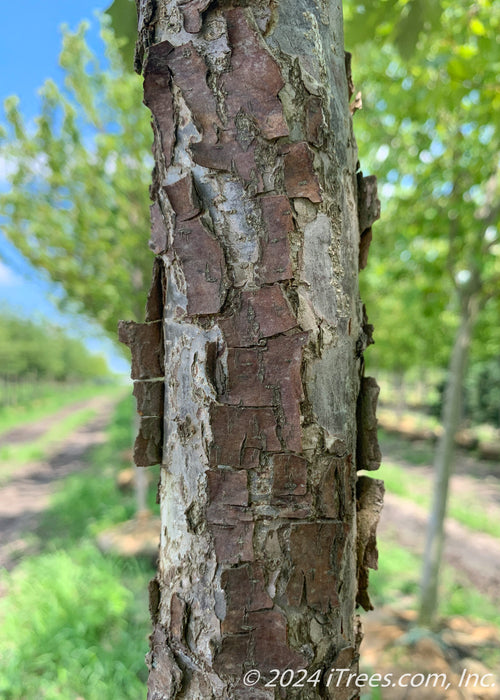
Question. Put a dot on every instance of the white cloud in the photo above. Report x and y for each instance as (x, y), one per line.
(7, 277)
(38, 165)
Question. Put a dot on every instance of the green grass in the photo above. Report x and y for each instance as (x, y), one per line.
(474, 518)
(400, 481)
(72, 627)
(419, 453)
(399, 575)
(74, 622)
(418, 489)
(13, 456)
(368, 693)
(47, 399)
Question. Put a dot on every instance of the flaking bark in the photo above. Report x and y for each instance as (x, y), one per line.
(256, 232)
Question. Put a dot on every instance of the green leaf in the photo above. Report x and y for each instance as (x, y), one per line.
(435, 112)
(477, 27)
(458, 69)
(123, 16)
(400, 21)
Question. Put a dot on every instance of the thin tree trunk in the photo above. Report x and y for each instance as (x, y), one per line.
(253, 342)
(401, 403)
(443, 463)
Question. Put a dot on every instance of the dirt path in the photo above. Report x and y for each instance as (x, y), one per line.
(29, 432)
(474, 555)
(26, 495)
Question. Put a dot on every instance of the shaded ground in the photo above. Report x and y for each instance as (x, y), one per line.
(392, 649)
(27, 493)
(29, 432)
(475, 554)
(391, 644)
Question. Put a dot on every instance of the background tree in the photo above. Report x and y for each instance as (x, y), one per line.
(77, 207)
(438, 155)
(41, 351)
(78, 202)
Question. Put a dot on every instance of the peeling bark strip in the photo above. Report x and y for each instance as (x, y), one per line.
(370, 497)
(201, 260)
(368, 450)
(145, 341)
(240, 435)
(300, 178)
(275, 263)
(256, 225)
(368, 213)
(146, 344)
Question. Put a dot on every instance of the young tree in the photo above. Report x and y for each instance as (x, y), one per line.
(438, 152)
(77, 203)
(253, 343)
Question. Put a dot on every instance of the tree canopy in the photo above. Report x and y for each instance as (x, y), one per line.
(429, 133)
(78, 202)
(30, 349)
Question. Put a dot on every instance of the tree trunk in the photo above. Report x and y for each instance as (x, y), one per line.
(443, 462)
(401, 403)
(253, 341)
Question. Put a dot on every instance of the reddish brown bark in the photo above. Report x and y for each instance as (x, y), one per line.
(263, 335)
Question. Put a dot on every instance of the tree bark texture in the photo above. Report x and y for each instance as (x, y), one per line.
(249, 368)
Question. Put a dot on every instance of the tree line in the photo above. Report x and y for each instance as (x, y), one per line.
(39, 351)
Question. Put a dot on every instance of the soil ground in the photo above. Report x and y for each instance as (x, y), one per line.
(390, 646)
(29, 432)
(26, 494)
(476, 555)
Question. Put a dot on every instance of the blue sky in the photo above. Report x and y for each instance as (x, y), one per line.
(29, 50)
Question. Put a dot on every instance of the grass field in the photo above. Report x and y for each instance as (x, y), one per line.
(73, 622)
(419, 490)
(45, 399)
(398, 576)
